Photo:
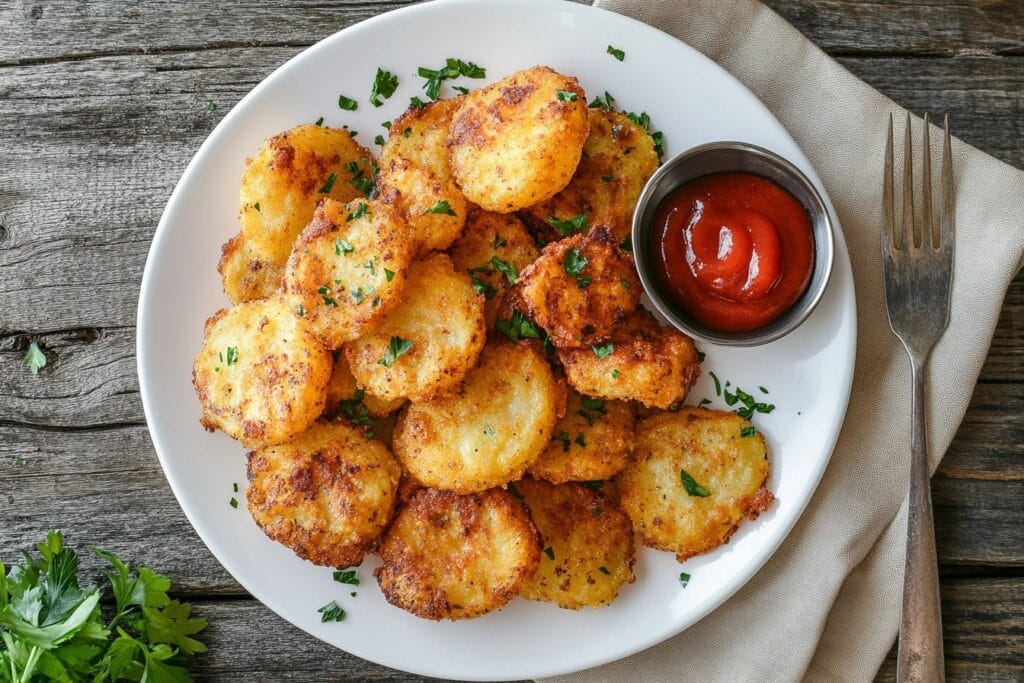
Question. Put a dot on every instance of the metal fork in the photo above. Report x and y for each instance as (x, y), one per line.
(917, 263)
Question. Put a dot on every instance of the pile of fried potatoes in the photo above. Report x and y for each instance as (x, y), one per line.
(438, 357)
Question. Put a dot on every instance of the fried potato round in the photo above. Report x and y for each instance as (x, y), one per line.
(327, 494)
(588, 545)
(420, 135)
(434, 209)
(489, 236)
(247, 272)
(705, 450)
(346, 397)
(580, 288)
(448, 556)
(517, 142)
(442, 316)
(618, 158)
(642, 361)
(347, 268)
(290, 173)
(593, 441)
(489, 431)
(261, 374)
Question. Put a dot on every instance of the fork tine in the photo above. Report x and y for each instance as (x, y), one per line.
(947, 218)
(928, 228)
(910, 233)
(888, 202)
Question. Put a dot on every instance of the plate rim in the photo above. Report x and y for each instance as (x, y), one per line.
(739, 579)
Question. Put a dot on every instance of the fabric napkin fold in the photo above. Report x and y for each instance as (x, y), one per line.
(827, 605)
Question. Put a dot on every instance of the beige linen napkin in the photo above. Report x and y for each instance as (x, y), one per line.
(827, 605)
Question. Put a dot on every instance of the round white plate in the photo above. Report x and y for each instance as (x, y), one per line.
(689, 98)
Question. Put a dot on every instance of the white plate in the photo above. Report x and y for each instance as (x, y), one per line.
(689, 98)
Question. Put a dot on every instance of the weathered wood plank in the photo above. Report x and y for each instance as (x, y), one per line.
(983, 624)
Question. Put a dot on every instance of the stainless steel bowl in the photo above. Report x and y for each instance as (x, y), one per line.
(731, 157)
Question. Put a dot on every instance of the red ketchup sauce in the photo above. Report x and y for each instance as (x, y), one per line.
(734, 250)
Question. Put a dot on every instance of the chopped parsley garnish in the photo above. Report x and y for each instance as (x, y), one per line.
(626, 282)
(384, 85)
(358, 295)
(326, 188)
(232, 355)
(363, 210)
(341, 246)
(616, 52)
(566, 96)
(498, 242)
(580, 441)
(763, 390)
(615, 374)
(518, 327)
(389, 274)
(595, 484)
(453, 68)
(718, 385)
(569, 226)
(481, 287)
(550, 552)
(347, 576)
(604, 570)
(604, 350)
(642, 120)
(234, 486)
(748, 431)
(356, 411)
(371, 266)
(701, 356)
(606, 103)
(592, 410)
(684, 579)
(361, 183)
(750, 404)
(323, 291)
(583, 282)
(488, 430)
(627, 244)
(378, 140)
(441, 207)
(691, 485)
(607, 178)
(386, 124)
(506, 269)
(233, 502)
(464, 91)
(564, 438)
(396, 347)
(301, 310)
(416, 103)
(574, 262)
(320, 121)
(407, 132)
(704, 402)
(331, 612)
(211, 105)
(35, 359)
(347, 103)
(256, 206)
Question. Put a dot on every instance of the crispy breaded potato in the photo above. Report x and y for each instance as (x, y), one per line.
(343, 387)
(487, 236)
(434, 209)
(247, 272)
(261, 374)
(618, 158)
(490, 430)
(517, 142)
(347, 268)
(420, 135)
(593, 441)
(326, 494)
(588, 545)
(448, 556)
(645, 362)
(290, 173)
(727, 472)
(442, 316)
(580, 288)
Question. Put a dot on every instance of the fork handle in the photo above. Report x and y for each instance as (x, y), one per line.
(920, 656)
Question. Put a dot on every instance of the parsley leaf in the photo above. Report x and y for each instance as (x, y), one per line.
(748, 431)
(481, 287)
(684, 579)
(566, 96)
(500, 241)
(506, 269)
(331, 612)
(604, 350)
(550, 552)
(396, 347)
(35, 359)
(606, 103)
(617, 53)
(453, 68)
(320, 121)
(517, 327)
(326, 188)
(389, 274)
(384, 85)
(348, 576)
(691, 485)
(574, 262)
(569, 226)
(347, 103)
(563, 437)
(441, 207)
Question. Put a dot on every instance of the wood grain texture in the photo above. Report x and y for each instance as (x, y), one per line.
(103, 104)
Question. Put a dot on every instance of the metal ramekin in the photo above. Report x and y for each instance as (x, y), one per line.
(731, 157)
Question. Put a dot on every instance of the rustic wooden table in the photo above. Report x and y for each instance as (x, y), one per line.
(103, 104)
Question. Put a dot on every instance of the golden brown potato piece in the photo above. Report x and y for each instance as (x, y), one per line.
(517, 142)
(261, 374)
(696, 473)
(248, 273)
(434, 209)
(327, 494)
(491, 242)
(490, 430)
(347, 268)
(448, 556)
(641, 361)
(580, 288)
(593, 441)
(618, 158)
(588, 545)
(290, 173)
(420, 135)
(429, 342)
(346, 397)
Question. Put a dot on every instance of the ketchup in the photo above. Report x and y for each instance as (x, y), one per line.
(734, 250)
